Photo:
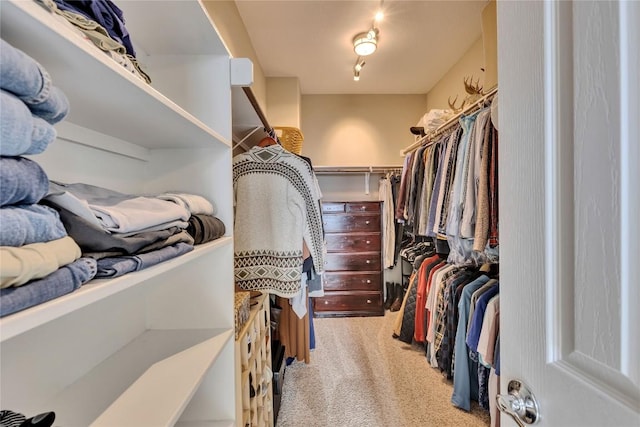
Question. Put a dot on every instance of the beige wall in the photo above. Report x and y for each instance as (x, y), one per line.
(283, 101)
(358, 130)
(226, 18)
(452, 83)
(490, 43)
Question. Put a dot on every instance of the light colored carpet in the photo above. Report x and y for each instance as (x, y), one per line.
(360, 376)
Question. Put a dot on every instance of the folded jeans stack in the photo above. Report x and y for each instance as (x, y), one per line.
(39, 260)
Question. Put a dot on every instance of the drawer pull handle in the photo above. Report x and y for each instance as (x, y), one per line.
(368, 301)
(368, 242)
(366, 222)
(364, 208)
(368, 261)
(368, 281)
(326, 302)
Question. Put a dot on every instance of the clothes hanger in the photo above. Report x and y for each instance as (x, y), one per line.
(266, 142)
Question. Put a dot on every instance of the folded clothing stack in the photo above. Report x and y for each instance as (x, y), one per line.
(102, 24)
(126, 232)
(39, 260)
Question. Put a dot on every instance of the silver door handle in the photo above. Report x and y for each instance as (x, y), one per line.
(520, 403)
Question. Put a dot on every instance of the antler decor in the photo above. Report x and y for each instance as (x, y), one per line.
(472, 89)
(474, 92)
(452, 105)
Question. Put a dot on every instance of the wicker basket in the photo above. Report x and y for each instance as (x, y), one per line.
(291, 138)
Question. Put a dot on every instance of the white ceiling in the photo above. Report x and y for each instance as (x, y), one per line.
(312, 40)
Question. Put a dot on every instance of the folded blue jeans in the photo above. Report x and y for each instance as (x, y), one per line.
(24, 77)
(61, 282)
(22, 181)
(117, 266)
(21, 132)
(24, 224)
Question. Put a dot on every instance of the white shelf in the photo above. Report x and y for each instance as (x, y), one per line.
(187, 352)
(96, 290)
(90, 78)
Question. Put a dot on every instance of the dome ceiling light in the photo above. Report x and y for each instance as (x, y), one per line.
(366, 43)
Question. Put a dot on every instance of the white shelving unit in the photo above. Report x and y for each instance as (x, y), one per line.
(155, 347)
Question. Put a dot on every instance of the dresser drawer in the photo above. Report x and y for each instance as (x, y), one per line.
(347, 281)
(353, 242)
(333, 207)
(348, 302)
(360, 261)
(349, 223)
(362, 207)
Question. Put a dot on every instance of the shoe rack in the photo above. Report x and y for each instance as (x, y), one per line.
(254, 394)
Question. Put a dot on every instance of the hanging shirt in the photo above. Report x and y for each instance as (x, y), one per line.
(276, 208)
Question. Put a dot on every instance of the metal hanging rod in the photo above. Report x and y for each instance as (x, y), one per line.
(355, 169)
(430, 138)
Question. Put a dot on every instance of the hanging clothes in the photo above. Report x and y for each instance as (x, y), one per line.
(277, 208)
(385, 193)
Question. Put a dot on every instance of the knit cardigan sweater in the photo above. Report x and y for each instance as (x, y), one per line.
(276, 208)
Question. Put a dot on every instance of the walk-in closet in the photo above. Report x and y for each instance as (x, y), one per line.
(371, 213)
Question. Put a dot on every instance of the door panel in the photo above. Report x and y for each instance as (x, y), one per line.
(568, 157)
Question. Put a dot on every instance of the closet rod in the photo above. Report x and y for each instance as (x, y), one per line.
(354, 169)
(430, 137)
(256, 107)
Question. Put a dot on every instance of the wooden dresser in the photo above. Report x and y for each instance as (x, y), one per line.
(353, 264)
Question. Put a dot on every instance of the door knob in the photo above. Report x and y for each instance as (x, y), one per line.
(520, 403)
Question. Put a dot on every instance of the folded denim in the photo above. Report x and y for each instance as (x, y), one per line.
(26, 224)
(35, 261)
(22, 75)
(25, 78)
(21, 132)
(64, 280)
(205, 228)
(105, 13)
(22, 181)
(117, 266)
(54, 109)
(114, 211)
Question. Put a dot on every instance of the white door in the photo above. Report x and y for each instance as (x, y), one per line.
(570, 208)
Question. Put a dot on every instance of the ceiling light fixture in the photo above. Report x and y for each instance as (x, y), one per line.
(366, 43)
